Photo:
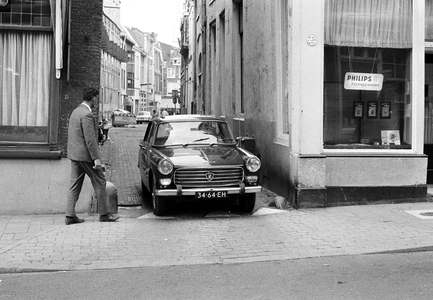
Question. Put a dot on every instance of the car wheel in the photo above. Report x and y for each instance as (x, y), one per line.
(159, 203)
(247, 203)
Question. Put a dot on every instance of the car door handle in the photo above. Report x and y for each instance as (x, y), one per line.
(143, 147)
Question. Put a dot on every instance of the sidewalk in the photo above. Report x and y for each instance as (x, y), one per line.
(43, 242)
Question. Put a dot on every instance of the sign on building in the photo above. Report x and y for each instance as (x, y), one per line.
(363, 81)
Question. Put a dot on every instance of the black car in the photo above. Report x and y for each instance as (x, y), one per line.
(185, 156)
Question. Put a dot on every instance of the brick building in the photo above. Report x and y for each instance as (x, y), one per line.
(50, 51)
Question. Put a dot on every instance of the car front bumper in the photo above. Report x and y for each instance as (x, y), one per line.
(191, 192)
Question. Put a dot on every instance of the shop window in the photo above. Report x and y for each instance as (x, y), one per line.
(26, 72)
(130, 80)
(26, 13)
(367, 97)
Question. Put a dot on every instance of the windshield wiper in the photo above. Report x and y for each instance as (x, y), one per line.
(196, 140)
(201, 139)
(167, 145)
(222, 144)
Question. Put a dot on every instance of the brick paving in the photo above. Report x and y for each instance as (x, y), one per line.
(123, 170)
(43, 242)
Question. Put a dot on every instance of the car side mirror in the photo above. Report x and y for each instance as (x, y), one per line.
(247, 143)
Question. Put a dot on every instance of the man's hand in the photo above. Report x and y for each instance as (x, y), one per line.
(97, 165)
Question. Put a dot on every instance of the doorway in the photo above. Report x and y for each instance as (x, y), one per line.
(428, 119)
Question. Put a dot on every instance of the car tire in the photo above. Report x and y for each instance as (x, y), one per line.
(159, 203)
(147, 196)
(247, 203)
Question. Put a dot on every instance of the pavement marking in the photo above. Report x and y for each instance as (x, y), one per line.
(422, 214)
(152, 216)
(222, 214)
(268, 211)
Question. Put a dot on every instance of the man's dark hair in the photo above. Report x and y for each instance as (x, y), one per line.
(89, 93)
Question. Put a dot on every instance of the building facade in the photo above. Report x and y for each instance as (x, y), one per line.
(146, 73)
(50, 51)
(188, 48)
(170, 77)
(335, 95)
(128, 103)
(113, 60)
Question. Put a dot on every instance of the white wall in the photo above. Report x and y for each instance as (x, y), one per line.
(35, 186)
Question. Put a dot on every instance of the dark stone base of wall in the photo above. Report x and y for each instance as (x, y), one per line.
(338, 196)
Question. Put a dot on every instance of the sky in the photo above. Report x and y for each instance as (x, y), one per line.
(159, 16)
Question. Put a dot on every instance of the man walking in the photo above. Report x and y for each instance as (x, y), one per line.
(83, 151)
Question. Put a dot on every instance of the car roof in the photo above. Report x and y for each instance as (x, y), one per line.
(174, 118)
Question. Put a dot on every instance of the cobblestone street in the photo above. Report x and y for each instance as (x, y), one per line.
(207, 235)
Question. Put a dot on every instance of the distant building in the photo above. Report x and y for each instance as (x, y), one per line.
(171, 75)
(113, 59)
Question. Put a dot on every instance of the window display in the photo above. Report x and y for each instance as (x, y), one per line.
(367, 73)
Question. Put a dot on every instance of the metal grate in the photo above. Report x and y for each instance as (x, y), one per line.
(221, 177)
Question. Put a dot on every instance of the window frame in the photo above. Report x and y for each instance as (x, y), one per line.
(416, 69)
(50, 148)
(282, 93)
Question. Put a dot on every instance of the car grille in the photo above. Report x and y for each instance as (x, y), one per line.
(190, 177)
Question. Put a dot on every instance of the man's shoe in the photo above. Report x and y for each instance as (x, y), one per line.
(73, 220)
(108, 218)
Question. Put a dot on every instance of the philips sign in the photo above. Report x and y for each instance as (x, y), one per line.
(363, 81)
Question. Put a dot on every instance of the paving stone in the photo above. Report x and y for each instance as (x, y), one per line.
(43, 242)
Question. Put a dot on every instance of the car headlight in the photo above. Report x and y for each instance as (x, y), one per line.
(253, 164)
(165, 167)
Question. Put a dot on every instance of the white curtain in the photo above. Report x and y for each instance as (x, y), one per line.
(369, 23)
(25, 78)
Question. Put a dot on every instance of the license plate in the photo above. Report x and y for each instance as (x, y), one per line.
(211, 195)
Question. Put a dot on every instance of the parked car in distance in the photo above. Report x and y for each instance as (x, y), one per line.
(191, 156)
(143, 116)
(121, 117)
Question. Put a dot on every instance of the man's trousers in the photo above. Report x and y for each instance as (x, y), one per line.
(78, 171)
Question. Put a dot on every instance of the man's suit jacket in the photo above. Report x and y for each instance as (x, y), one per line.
(82, 137)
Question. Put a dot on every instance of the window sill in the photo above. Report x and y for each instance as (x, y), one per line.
(29, 152)
(367, 146)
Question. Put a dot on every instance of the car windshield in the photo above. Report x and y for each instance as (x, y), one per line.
(193, 132)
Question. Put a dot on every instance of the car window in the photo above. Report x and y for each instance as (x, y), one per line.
(148, 131)
(208, 132)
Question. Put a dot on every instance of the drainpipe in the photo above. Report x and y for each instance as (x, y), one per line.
(204, 63)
